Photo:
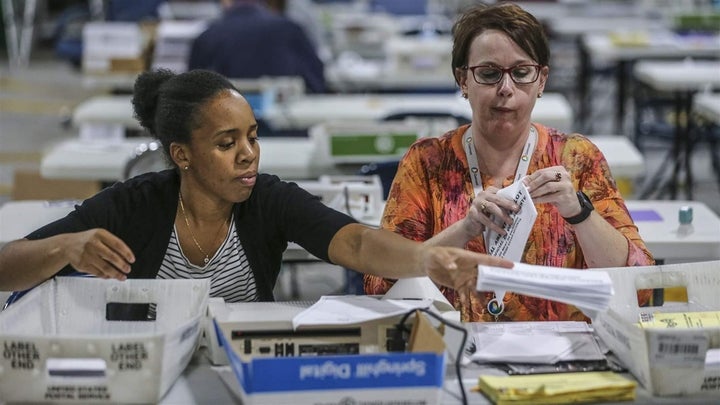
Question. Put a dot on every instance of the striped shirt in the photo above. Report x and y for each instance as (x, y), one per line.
(228, 270)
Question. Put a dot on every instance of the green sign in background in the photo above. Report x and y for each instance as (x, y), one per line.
(363, 144)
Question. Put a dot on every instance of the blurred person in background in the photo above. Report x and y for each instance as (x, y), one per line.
(253, 39)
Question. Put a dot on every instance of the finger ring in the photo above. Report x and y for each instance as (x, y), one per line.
(483, 207)
(558, 176)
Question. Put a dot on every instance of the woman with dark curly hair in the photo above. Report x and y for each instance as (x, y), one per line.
(213, 216)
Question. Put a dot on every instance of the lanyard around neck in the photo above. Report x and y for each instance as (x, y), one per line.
(523, 163)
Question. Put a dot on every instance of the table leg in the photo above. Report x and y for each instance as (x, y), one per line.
(656, 184)
(583, 82)
(689, 145)
(621, 80)
(678, 147)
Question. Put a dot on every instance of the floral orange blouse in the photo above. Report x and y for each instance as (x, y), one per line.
(432, 190)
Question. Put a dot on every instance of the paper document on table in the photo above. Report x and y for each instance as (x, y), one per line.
(352, 309)
(589, 290)
(512, 244)
(516, 342)
(418, 288)
(568, 388)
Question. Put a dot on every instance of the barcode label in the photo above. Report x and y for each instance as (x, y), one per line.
(646, 318)
(679, 349)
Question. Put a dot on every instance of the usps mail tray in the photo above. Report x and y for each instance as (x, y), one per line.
(87, 340)
(412, 377)
(667, 361)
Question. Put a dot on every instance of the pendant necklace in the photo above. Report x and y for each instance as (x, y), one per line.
(206, 259)
(496, 306)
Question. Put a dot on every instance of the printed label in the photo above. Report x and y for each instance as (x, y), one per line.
(76, 392)
(21, 355)
(679, 349)
(128, 356)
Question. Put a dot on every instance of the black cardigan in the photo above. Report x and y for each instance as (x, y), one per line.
(141, 211)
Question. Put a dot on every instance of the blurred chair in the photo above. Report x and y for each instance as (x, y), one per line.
(149, 157)
(400, 7)
(386, 170)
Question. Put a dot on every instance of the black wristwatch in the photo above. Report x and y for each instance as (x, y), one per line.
(586, 207)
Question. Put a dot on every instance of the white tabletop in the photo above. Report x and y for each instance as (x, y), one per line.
(89, 160)
(291, 158)
(288, 158)
(575, 25)
(624, 159)
(19, 218)
(659, 227)
(678, 75)
(708, 106)
(651, 44)
(552, 109)
(107, 110)
(373, 76)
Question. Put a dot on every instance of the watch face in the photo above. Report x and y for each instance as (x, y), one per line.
(585, 201)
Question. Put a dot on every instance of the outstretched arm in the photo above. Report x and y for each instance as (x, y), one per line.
(383, 253)
(26, 263)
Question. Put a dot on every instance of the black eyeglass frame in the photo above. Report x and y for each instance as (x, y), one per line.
(504, 71)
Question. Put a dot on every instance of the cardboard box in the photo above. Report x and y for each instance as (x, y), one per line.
(71, 340)
(666, 361)
(112, 47)
(414, 377)
(30, 185)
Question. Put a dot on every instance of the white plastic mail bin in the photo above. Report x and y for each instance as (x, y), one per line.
(72, 340)
(666, 361)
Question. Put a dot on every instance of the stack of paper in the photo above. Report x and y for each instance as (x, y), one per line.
(564, 388)
(516, 342)
(588, 290)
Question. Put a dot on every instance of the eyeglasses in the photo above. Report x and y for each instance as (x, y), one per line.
(520, 74)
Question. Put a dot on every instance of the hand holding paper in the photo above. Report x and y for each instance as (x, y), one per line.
(512, 244)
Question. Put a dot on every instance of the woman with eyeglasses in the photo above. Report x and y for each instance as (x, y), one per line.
(445, 189)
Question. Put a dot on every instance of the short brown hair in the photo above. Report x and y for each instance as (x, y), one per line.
(522, 27)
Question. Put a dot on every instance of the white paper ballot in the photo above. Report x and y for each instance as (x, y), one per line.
(589, 290)
(418, 288)
(512, 244)
(352, 309)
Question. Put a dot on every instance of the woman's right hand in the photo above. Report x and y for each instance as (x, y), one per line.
(457, 268)
(100, 253)
(486, 206)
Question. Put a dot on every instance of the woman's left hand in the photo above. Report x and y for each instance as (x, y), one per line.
(553, 185)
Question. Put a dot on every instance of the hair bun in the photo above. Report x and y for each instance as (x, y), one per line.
(145, 96)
